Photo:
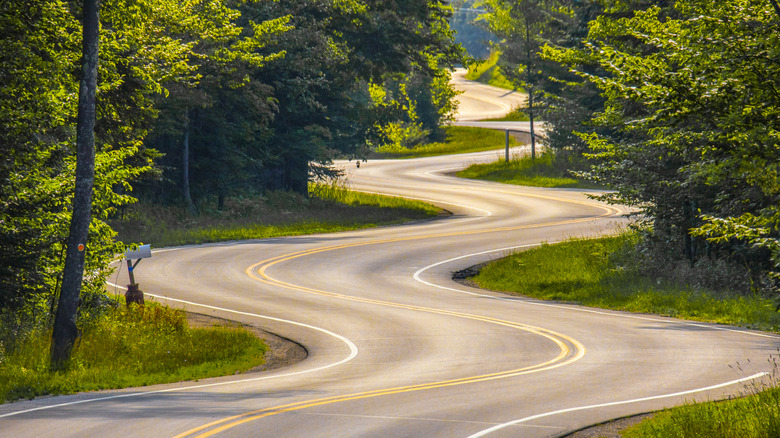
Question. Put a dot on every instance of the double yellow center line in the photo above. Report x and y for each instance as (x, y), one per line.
(571, 350)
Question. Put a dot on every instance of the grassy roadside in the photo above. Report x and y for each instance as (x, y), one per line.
(517, 115)
(488, 72)
(329, 209)
(593, 273)
(754, 416)
(460, 140)
(541, 172)
(127, 347)
(137, 346)
(599, 273)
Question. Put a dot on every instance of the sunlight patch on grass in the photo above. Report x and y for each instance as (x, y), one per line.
(460, 140)
(488, 72)
(585, 272)
(135, 346)
(525, 171)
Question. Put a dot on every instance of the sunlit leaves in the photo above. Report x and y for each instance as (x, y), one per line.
(693, 103)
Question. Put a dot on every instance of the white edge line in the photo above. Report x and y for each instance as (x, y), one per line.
(624, 402)
(571, 308)
(352, 347)
(581, 408)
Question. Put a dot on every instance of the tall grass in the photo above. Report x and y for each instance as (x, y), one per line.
(330, 208)
(588, 272)
(459, 140)
(135, 346)
(540, 172)
(755, 416)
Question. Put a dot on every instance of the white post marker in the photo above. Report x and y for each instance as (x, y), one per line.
(133, 294)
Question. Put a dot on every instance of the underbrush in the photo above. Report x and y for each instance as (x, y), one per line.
(459, 140)
(543, 171)
(135, 346)
(330, 208)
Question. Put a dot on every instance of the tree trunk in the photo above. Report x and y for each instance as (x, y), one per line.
(65, 330)
(531, 119)
(298, 167)
(185, 167)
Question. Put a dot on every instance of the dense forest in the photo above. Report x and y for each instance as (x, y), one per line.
(196, 101)
(675, 106)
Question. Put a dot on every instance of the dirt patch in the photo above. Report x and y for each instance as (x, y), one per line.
(281, 352)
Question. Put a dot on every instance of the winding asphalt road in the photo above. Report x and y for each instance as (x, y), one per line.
(396, 348)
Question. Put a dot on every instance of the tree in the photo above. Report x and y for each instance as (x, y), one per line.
(692, 103)
(211, 127)
(321, 87)
(65, 330)
(469, 32)
(524, 27)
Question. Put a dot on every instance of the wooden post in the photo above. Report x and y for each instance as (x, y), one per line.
(506, 140)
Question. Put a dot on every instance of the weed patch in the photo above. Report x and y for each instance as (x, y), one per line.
(125, 347)
(330, 208)
(589, 272)
(755, 416)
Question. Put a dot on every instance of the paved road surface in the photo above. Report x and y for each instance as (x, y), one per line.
(396, 348)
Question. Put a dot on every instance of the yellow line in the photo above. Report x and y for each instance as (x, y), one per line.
(558, 338)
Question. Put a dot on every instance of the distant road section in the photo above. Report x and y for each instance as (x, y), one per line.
(480, 102)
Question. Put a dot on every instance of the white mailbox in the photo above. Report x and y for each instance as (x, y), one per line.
(143, 252)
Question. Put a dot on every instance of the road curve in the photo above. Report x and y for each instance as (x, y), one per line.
(396, 348)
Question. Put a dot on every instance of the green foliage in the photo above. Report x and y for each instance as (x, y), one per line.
(469, 31)
(125, 347)
(313, 104)
(608, 273)
(459, 140)
(330, 208)
(688, 132)
(412, 107)
(489, 72)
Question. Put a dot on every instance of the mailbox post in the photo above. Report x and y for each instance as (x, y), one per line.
(133, 294)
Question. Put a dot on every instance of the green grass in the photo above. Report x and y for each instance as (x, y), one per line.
(755, 416)
(541, 172)
(604, 273)
(127, 347)
(488, 72)
(586, 272)
(460, 140)
(329, 209)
